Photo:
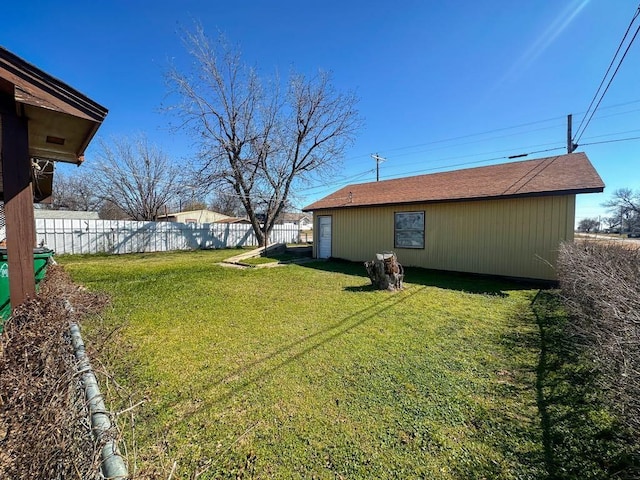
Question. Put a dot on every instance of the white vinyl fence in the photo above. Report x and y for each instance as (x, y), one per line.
(123, 236)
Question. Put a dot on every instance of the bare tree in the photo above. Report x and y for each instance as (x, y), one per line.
(227, 203)
(74, 192)
(588, 225)
(193, 204)
(109, 211)
(611, 222)
(625, 206)
(135, 177)
(624, 199)
(256, 141)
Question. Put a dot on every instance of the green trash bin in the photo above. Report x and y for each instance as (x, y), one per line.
(41, 258)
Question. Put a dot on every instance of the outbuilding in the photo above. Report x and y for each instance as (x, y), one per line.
(193, 216)
(506, 219)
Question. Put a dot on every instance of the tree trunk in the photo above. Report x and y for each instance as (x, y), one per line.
(385, 272)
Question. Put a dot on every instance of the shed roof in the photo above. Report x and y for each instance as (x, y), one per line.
(290, 217)
(562, 174)
(202, 211)
(42, 213)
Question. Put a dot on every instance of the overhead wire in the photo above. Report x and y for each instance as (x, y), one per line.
(343, 181)
(462, 137)
(346, 180)
(612, 141)
(584, 124)
(389, 151)
(533, 152)
(476, 162)
(528, 132)
(504, 157)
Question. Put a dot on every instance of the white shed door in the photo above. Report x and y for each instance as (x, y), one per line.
(324, 238)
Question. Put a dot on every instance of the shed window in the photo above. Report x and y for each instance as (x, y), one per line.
(409, 229)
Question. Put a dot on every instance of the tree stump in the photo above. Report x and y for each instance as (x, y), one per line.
(385, 272)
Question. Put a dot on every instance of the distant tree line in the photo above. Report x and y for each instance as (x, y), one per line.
(135, 180)
(624, 214)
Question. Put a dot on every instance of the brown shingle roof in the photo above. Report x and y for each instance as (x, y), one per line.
(562, 174)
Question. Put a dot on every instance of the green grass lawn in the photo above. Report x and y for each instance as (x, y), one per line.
(304, 371)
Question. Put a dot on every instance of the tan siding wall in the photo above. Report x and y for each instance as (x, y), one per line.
(512, 237)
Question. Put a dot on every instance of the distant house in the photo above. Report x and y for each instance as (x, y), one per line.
(303, 221)
(43, 213)
(193, 216)
(505, 220)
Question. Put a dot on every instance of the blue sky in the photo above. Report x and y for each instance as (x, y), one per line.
(442, 85)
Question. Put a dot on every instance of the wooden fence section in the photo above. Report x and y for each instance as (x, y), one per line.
(124, 236)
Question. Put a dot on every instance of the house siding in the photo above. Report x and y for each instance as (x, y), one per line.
(194, 216)
(516, 237)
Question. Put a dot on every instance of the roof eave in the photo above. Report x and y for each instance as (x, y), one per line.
(23, 73)
(595, 189)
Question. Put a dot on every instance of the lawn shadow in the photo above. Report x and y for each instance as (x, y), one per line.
(581, 436)
(459, 281)
(360, 288)
(517, 344)
(255, 371)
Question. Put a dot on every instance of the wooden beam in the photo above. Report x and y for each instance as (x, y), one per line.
(18, 203)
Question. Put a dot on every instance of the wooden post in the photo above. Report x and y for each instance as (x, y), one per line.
(18, 202)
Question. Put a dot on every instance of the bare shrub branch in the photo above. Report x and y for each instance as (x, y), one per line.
(601, 285)
(44, 426)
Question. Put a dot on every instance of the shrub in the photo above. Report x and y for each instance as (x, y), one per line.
(601, 286)
(44, 427)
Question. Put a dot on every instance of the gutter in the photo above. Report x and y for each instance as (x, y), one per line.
(113, 465)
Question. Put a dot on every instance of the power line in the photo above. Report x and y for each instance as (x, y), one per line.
(590, 116)
(462, 137)
(613, 141)
(479, 134)
(351, 178)
(612, 134)
(507, 157)
(527, 132)
(504, 157)
(552, 147)
(348, 180)
(343, 181)
(607, 72)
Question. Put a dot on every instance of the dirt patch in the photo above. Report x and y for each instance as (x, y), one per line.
(44, 427)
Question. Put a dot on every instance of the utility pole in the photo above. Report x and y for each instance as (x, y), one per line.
(378, 160)
(570, 145)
